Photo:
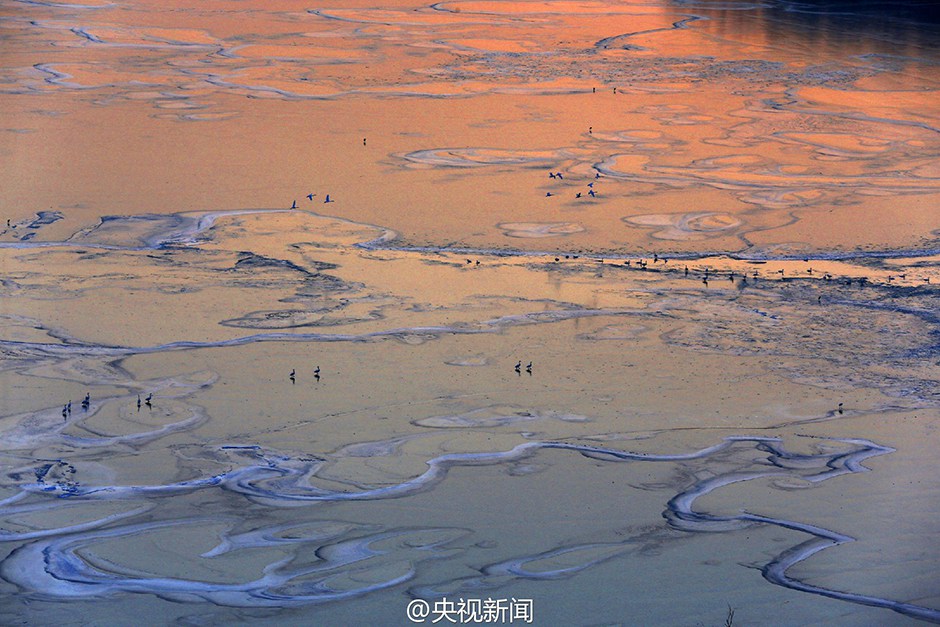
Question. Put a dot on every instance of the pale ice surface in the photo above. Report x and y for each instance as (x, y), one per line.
(627, 309)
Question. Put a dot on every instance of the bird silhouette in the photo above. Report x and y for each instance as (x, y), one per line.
(294, 205)
(328, 199)
(310, 196)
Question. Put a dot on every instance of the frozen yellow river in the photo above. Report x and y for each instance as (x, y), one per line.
(482, 311)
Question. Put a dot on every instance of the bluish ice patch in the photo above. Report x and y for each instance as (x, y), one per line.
(54, 567)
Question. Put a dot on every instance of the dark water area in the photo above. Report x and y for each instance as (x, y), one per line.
(918, 12)
(878, 25)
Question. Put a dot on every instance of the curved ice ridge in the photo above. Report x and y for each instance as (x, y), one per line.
(55, 569)
(285, 481)
(185, 228)
(177, 229)
(494, 325)
(14, 536)
(481, 157)
(607, 42)
(46, 425)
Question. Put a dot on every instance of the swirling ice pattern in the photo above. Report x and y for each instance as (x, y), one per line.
(63, 573)
(535, 230)
(46, 426)
(55, 568)
(480, 157)
(687, 226)
(52, 565)
(147, 233)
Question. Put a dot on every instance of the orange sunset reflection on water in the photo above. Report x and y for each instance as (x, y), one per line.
(317, 313)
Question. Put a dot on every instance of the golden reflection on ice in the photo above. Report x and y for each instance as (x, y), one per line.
(311, 311)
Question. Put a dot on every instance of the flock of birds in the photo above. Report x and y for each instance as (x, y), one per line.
(293, 374)
(552, 175)
(641, 264)
(148, 401)
(560, 177)
(310, 197)
(316, 375)
(86, 403)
